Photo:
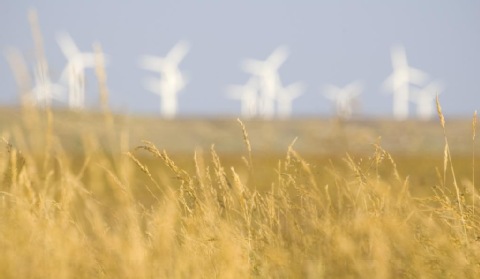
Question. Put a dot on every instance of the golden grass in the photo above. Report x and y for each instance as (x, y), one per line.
(77, 201)
(117, 212)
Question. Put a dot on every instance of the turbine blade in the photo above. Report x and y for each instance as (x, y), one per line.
(331, 92)
(67, 45)
(178, 52)
(252, 84)
(152, 63)
(417, 77)
(252, 66)
(434, 88)
(388, 83)
(278, 57)
(87, 59)
(234, 91)
(353, 89)
(399, 57)
(296, 89)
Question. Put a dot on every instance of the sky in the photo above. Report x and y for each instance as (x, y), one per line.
(330, 42)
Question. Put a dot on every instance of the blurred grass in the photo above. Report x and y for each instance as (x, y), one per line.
(84, 196)
(315, 136)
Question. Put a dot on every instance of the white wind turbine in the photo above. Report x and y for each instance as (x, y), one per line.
(424, 98)
(343, 97)
(248, 96)
(400, 80)
(171, 80)
(267, 73)
(45, 90)
(285, 97)
(74, 72)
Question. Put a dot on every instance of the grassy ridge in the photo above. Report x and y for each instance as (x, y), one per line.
(83, 197)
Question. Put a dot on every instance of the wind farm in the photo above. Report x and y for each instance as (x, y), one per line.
(272, 141)
(263, 96)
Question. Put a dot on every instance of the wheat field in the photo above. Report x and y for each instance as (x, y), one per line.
(86, 199)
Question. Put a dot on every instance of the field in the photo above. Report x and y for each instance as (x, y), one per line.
(97, 195)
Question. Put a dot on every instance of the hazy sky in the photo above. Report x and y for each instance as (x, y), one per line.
(330, 42)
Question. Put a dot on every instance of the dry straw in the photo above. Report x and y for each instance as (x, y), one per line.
(247, 145)
(474, 128)
(302, 222)
(101, 76)
(447, 159)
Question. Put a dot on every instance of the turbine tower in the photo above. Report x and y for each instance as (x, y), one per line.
(74, 72)
(424, 99)
(343, 98)
(400, 80)
(285, 97)
(171, 80)
(248, 96)
(269, 79)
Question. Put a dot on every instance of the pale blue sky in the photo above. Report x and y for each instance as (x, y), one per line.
(331, 42)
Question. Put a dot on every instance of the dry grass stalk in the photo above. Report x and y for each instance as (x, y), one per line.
(42, 62)
(101, 76)
(247, 144)
(37, 35)
(145, 170)
(448, 160)
(474, 128)
(150, 147)
(22, 77)
(105, 224)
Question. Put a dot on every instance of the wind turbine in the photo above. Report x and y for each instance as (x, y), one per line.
(74, 72)
(171, 80)
(285, 97)
(248, 96)
(45, 90)
(400, 80)
(424, 98)
(343, 97)
(267, 73)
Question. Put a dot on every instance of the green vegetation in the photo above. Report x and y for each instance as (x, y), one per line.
(81, 196)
